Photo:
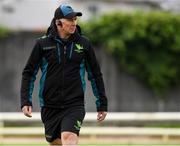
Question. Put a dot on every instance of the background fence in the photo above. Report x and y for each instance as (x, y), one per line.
(131, 127)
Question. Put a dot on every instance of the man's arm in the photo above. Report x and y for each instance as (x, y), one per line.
(28, 78)
(97, 83)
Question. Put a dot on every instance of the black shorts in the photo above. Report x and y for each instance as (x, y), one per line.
(57, 121)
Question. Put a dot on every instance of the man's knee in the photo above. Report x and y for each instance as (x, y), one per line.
(56, 142)
(69, 138)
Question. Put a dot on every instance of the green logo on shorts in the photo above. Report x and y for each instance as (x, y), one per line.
(78, 125)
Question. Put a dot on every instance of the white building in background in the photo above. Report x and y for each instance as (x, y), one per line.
(37, 14)
(26, 14)
(31, 14)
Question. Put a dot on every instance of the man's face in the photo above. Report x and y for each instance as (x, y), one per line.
(69, 25)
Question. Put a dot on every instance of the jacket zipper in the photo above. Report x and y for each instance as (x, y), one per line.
(70, 55)
(64, 60)
(59, 54)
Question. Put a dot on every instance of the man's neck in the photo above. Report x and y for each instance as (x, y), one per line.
(63, 35)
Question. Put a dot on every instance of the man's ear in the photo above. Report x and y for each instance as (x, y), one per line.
(58, 22)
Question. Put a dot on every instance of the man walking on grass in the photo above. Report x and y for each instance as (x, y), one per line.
(63, 55)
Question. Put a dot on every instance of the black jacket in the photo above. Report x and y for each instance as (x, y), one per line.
(63, 65)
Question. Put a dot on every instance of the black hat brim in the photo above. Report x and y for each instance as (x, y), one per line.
(72, 15)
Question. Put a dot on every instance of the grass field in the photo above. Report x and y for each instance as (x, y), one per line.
(89, 145)
(31, 143)
(92, 141)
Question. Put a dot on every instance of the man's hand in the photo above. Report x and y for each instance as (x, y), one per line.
(27, 110)
(101, 115)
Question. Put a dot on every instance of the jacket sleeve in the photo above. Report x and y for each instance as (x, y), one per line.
(29, 75)
(95, 76)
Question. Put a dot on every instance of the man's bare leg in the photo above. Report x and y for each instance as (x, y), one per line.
(69, 139)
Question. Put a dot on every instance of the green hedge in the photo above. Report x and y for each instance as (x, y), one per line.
(144, 44)
(4, 32)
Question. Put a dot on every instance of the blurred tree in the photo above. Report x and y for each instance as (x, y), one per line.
(144, 44)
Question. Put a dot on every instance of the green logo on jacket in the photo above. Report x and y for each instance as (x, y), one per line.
(79, 48)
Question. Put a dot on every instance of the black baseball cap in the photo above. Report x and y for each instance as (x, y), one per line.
(64, 11)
